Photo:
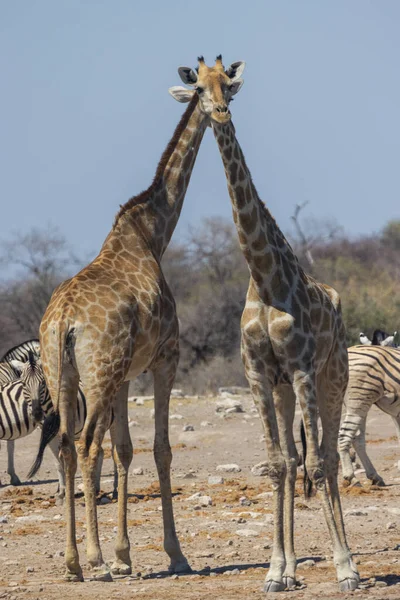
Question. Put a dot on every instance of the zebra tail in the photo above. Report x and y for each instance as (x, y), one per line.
(307, 482)
(50, 428)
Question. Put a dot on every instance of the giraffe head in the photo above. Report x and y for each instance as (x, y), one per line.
(215, 87)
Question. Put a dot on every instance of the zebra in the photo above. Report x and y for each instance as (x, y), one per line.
(10, 372)
(22, 391)
(374, 378)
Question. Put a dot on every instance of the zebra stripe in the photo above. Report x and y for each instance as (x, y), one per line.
(21, 351)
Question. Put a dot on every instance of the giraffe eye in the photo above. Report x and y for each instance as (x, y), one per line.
(199, 90)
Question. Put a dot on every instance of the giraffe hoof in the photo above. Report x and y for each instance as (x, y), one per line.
(15, 480)
(181, 566)
(120, 568)
(73, 577)
(348, 584)
(289, 582)
(378, 481)
(274, 586)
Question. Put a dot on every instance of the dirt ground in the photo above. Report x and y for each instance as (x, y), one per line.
(226, 563)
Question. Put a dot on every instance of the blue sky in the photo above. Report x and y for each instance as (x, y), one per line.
(85, 113)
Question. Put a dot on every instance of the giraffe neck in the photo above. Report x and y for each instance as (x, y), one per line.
(155, 212)
(271, 261)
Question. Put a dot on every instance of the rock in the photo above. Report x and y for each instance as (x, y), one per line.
(138, 471)
(174, 576)
(355, 513)
(391, 525)
(247, 533)
(45, 504)
(215, 480)
(3, 520)
(140, 400)
(234, 390)
(188, 428)
(228, 403)
(243, 501)
(176, 393)
(233, 572)
(30, 569)
(230, 468)
(260, 469)
(133, 424)
(204, 554)
(175, 417)
(189, 475)
(235, 409)
(206, 424)
(105, 500)
(201, 500)
(305, 564)
(30, 519)
(264, 495)
(380, 584)
(57, 517)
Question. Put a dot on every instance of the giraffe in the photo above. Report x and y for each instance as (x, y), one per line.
(293, 348)
(115, 319)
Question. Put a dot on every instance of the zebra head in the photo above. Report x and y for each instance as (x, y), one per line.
(34, 385)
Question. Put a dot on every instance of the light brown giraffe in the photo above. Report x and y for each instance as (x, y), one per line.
(293, 347)
(115, 319)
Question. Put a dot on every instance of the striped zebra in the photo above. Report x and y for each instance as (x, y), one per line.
(22, 392)
(10, 372)
(374, 378)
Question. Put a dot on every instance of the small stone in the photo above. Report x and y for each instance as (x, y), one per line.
(133, 423)
(188, 428)
(247, 533)
(174, 576)
(391, 525)
(206, 424)
(229, 468)
(59, 554)
(138, 471)
(57, 517)
(229, 404)
(30, 569)
(243, 501)
(215, 480)
(201, 500)
(264, 495)
(355, 513)
(30, 519)
(380, 584)
(45, 504)
(3, 520)
(304, 564)
(204, 554)
(189, 475)
(233, 572)
(176, 417)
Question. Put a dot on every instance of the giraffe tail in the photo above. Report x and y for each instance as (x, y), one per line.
(307, 482)
(50, 428)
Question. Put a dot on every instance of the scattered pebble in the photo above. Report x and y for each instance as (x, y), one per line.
(188, 428)
(138, 471)
(215, 480)
(230, 468)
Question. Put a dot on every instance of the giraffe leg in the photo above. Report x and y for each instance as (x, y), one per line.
(89, 447)
(330, 412)
(115, 485)
(54, 447)
(14, 479)
(261, 389)
(285, 403)
(164, 374)
(123, 452)
(67, 408)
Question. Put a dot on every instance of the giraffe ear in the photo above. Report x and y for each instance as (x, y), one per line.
(235, 86)
(187, 75)
(181, 94)
(235, 70)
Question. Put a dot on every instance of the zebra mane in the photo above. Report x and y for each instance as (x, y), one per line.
(24, 346)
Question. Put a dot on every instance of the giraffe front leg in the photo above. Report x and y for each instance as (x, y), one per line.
(123, 452)
(164, 375)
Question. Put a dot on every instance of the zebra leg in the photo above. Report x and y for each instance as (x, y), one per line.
(356, 412)
(360, 448)
(14, 479)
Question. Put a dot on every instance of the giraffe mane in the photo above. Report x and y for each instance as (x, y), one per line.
(166, 155)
